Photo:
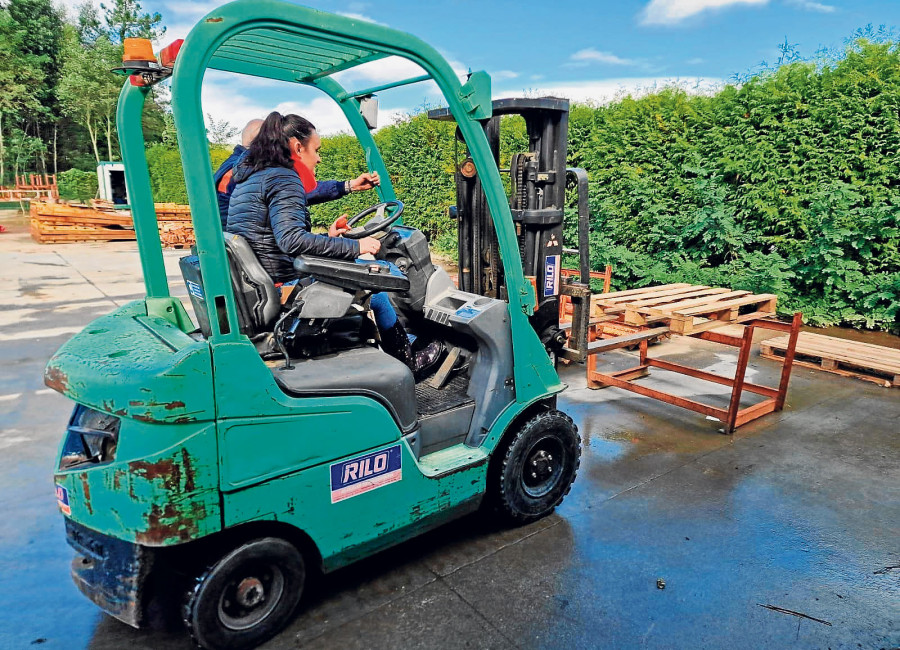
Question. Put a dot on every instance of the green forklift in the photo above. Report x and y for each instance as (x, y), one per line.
(232, 458)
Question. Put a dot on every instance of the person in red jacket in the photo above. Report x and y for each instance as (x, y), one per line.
(324, 191)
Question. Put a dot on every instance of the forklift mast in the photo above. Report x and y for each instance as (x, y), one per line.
(537, 202)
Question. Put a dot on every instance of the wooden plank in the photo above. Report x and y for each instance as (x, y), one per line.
(606, 301)
(631, 292)
(605, 345)
(694, 325)
(710, 291)
(670, 307)
(737, 302)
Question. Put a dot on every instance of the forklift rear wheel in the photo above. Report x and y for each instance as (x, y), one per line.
(247, 596)
(538, 468)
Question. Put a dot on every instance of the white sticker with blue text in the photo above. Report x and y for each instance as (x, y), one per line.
(350, 478)
(551, 275)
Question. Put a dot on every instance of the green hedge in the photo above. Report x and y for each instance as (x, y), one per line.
(167, 175)
(788, 184)
(77, 185)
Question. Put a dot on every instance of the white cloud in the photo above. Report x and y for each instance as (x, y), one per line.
(809, 5)
(608, 90)
(590, 55)
(670, 12)
(696, 61)
(358, 16)
(501, 75)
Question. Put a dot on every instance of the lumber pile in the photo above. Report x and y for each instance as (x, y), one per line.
(100, 221)
(874, 363)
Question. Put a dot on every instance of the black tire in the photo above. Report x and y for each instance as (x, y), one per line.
(537, 468)
(246, 597)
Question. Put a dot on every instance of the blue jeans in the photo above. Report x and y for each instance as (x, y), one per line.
(385, 316)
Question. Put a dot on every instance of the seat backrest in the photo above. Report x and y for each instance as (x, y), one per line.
(258, 301)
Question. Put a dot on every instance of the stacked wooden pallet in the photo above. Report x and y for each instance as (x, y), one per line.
(59, 222)
(685, 308)
(175, 227)
(874, 363)
(100, 221)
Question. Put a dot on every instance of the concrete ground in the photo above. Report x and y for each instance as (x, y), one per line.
(799, 510)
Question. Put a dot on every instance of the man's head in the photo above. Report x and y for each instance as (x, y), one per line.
(248, 135)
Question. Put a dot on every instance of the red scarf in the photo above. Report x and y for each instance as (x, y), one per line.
(307, 177)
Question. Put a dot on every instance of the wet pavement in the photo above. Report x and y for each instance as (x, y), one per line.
(799, 511)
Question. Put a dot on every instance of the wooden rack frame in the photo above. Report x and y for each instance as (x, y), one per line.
(732, 417)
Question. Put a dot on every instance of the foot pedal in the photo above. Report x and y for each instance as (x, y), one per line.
(443, 374)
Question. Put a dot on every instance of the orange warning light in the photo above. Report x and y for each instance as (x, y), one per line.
(138, 49)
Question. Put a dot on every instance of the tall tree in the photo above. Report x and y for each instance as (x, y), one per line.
(89, 91)
(20, 78)
(127, 19)
(40, 27)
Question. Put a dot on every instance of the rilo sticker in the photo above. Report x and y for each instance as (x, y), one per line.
(551, 275)
(350, 478)
(62, 500)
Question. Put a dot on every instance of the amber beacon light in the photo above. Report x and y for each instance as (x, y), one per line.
(142, 66)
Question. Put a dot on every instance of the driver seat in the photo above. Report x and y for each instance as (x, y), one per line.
(257, 299)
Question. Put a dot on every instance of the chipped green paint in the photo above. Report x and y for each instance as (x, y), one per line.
(136, 366)
(168, 494)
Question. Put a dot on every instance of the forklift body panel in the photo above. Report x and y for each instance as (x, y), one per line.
(179, 437)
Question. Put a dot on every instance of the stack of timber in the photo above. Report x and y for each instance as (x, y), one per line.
(100, 221)
(874, 363)
(53, 223)
(684, 308)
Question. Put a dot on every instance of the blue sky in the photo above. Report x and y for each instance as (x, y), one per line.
(583, 50)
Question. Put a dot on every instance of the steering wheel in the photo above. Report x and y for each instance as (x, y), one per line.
(379, 223)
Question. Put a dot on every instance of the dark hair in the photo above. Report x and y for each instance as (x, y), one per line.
(271, 147)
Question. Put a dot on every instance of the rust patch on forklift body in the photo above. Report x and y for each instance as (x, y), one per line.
(167, 525)
(56, 379)
(166, 470)
(86, 490)
(188, 471)
(214, 20)
(174, 405)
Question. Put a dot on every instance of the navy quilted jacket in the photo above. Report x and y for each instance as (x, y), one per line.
(325, 190)
(268, 209)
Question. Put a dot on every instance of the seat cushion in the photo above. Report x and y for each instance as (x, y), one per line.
(360, 371)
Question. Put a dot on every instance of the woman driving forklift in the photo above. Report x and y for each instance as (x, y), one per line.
(269, 209)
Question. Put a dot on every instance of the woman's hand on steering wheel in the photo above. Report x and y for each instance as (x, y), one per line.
(380, 223)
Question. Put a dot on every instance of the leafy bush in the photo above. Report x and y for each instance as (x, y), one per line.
(167, 174)
(77, 185)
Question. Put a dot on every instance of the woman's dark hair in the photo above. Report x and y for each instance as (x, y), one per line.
(271, 147)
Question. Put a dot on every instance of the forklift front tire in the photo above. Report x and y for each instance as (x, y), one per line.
(538, 467)
(246, 597)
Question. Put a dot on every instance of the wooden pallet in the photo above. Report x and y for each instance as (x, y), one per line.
(101, 221)
(874, 363)
(685, 308)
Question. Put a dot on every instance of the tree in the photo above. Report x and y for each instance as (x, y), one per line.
(88, 24)
(88, 90)
(219, 132)
(20, 78)
(40, 26)
(126, 19)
